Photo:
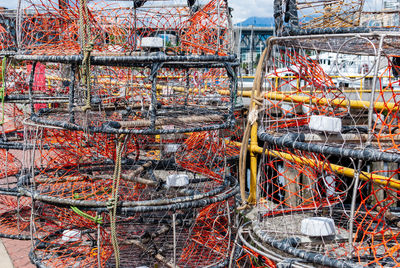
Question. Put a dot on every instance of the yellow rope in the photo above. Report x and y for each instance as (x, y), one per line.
(252, 118)
(113, 201)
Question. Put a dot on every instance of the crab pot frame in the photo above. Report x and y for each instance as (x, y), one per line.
(112, 122)
(77, 168)
(63, 27)
(297, 88)
(315, 17)
(367, 236)
(15, 209)
(72, 172)
(197, 237)
(311, 169)
(150, 104)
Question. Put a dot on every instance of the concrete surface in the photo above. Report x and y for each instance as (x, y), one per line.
(5, 260)
(14, 253)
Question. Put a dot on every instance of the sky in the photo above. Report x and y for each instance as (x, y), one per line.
(8, 3)
(250, 8)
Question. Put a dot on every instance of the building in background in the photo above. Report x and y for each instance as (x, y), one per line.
(250, 40)
(387, 16)
(391, 4)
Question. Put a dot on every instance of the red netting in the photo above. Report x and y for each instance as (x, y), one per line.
(68, 239)
(209, 237)
(207, 152)
(15, 213)
(252, 259)
(294, 186)
(207, 30)
(386, 121)
(376, 220)
(10, 164)
(322, 14)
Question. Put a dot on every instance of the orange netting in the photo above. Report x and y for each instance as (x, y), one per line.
(289, 186)
(15, 213)
(206, 153)
(10, 164)
(299, 87)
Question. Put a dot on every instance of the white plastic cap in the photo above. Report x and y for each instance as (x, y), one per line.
(325, 123)
(72, 235)
(152, 42)
(171, 147)
(287, 107)
(318, 226)
(177, 180)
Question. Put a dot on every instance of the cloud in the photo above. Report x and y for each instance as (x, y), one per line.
(257, 8)
(8, 3)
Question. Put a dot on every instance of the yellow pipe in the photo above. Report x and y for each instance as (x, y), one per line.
(348, 172)
(320, 101)
(253, 165)
(247, 93)
(324, 101)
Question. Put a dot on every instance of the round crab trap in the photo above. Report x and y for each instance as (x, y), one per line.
(325, 96)
(53, 27)
(213, 154)
(169, 238)
(97, 175)
(15, 209)
(140, 95)
(149, 68)
(82, 169)
(313, 17)
(339, 235)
